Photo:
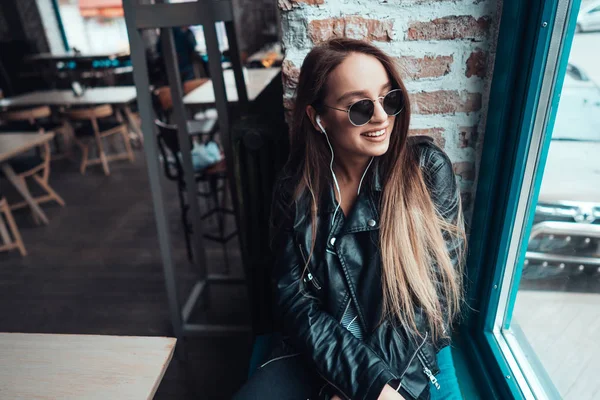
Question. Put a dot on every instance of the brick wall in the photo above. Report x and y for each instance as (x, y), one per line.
(445, 52)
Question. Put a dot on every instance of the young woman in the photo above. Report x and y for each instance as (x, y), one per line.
(368, 238)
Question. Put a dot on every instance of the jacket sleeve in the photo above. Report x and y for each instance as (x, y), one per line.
(350, 366)
(441, 182)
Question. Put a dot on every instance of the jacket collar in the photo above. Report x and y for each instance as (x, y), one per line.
(372, 183)
(364, 215)
(362, 212)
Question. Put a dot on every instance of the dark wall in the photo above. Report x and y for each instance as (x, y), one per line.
(21, 33)
(256, 22)
(21, 20)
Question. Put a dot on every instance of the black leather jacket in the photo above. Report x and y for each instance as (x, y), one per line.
(346, 268)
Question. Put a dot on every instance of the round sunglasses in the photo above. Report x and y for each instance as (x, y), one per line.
(361, 111)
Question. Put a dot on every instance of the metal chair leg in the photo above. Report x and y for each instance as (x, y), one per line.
(185, 224)
(223, 207)
(214, 188)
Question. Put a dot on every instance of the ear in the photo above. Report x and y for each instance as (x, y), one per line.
(311, 113)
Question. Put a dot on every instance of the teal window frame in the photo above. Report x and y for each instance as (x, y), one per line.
(521, 72)
(61, 26)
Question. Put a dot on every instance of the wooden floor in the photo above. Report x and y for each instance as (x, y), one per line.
(564, 330)
(96, 269)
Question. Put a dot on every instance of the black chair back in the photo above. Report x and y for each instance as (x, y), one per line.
(168, 134)
(159, 113)
(167, 140)
(18, 126)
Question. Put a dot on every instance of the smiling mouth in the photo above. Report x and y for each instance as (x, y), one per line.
(374, 133)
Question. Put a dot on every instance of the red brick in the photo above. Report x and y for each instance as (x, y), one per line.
(289, 103)
(288, 106)
(290, 74)
(287, 5)
(450, 28)
(467, 137)
(445, 102)
(465, 169)
(288, 116)
(477, 64)
(413, 68)
(355, 27)
(435, 133)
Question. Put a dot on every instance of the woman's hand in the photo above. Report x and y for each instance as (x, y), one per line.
(388, 393)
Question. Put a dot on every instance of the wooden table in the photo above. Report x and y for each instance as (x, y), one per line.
(120, 96)
(11, 145)
(42, 366)
(116, 95)
(256, 81)
(70, 55)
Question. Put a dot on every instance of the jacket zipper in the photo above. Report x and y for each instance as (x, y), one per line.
(429, 374)
(313, 280)
(345, 309)
(310, 278)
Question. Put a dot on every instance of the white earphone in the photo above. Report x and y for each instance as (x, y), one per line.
(319, 123)
(335, 181)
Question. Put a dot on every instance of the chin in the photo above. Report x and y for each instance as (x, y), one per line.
(378, 150)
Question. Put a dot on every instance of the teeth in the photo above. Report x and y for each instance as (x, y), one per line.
(375, 134)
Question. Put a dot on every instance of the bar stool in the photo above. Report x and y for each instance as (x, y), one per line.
(215, 176)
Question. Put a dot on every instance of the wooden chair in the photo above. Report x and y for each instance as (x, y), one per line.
(164, 101)
(35, 166)
(99, 123)
(39, 118)
(9, 243)
(190, 85)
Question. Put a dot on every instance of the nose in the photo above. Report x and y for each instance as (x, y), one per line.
(379, 115)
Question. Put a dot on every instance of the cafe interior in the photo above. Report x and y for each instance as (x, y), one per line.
(140, 141)
(108, 117)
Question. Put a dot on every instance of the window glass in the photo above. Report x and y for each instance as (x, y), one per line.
(98, 27)
(556, 315)
(199, 33)
(94, 26)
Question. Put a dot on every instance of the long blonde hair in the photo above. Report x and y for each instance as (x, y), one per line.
(416, 264)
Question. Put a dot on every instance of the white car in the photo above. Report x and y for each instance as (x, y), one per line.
(589, 18)
(564, 240)
(578, 114)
